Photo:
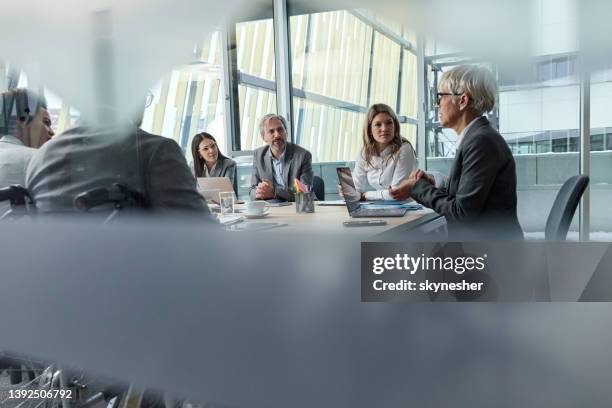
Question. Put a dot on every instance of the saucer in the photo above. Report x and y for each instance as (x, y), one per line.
(255, 216)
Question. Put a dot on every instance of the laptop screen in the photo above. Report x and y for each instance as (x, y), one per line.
(210, 187)
(351, 195)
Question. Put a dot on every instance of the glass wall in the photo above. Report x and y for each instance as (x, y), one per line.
(385, 71)
(189, 99)
(343, 62)
(539, 119)
(538, 113)
(408, 101)
(601, 153)
(331, 55)
(330, 64)
(256, 78)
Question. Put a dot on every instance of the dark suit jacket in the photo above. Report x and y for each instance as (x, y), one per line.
(297, 164)
(479, 201)
(83, 158)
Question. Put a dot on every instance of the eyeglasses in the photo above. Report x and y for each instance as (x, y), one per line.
(207, 148)
(439, 96)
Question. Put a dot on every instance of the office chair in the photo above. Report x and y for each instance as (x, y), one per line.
(118, 194)
(20, 199)
(564, 207)
(318, 185)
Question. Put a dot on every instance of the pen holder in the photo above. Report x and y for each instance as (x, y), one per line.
(304, 202)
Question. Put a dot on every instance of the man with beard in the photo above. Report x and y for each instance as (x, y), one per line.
(277, 164)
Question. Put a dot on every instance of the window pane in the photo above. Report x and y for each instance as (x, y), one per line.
(255, 47)
(190, 99)
(63, 117)
(385, 71)
(601, 156)
(408, 103)
(331, 55)
(337, 59)
(256, 78)
(408, 130)
(329, 133)
(331, 62)
(254, 103)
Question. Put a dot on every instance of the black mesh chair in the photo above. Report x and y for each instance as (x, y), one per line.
(20, 199)
(564, 207)
(318, 185)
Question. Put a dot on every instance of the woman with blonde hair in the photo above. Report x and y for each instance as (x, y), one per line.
(386, 158)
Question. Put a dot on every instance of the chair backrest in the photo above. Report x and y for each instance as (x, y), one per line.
(318, 186)
(564, 207)
(20, 199)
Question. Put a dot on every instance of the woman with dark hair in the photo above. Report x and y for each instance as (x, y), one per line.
(208, 161)
(386, 157)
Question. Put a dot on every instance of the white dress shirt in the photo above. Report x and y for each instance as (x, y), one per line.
(277, 168)
(384, 171)
(14, 159)
(208, 173)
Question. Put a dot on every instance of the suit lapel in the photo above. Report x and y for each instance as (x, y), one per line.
(287, 165)
(453, 177)
(267, 165)
(218, 168)
(455, 173)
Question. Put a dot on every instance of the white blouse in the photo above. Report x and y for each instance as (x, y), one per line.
(384, 171)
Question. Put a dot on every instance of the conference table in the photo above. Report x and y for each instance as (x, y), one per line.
(329, 219)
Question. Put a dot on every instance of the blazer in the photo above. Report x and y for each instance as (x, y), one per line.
(226, 167)
(297, 164)
(84, 158)
(479, 201)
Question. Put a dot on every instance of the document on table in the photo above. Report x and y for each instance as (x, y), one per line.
(230, 219)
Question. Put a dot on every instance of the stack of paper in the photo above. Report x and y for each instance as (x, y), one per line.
(230, 219)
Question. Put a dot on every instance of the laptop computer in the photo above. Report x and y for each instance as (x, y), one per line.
(210, 187)
(352, 199)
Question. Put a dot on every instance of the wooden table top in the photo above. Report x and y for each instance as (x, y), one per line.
(329, 219)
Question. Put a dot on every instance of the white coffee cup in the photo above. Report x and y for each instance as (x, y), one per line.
(256, 207)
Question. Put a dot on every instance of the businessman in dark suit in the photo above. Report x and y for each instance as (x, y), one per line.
(479, 201)
(277, 164)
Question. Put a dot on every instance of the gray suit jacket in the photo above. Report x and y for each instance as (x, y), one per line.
(83, 158)
(479, 201)
(297, 164)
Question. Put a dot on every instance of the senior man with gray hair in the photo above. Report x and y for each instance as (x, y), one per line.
(479, 200)
(277, 164)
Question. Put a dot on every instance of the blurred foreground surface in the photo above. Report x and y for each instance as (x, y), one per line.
(273, 320)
